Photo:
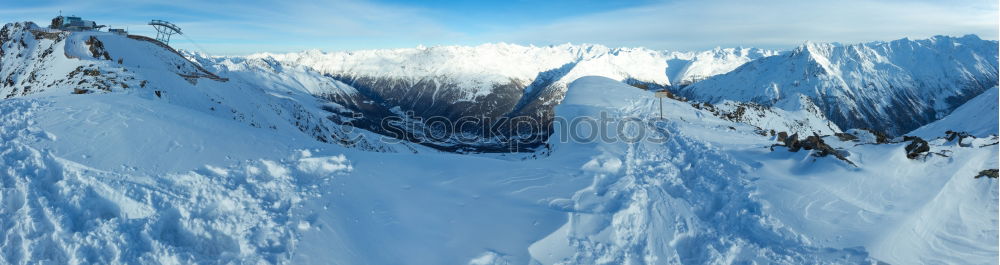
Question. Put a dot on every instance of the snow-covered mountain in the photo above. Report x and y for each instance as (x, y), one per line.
(478, 70)
(689, 67)
(979, 117)
(118, 150)
(44, 62)
(893, 86)
(490, 81)
(363, 89)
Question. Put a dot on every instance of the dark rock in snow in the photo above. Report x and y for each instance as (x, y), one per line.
(814, 142)
(782, 136)
(989, 173)
(880, 137)
(916, 147)
(960, 136)
(846, 137)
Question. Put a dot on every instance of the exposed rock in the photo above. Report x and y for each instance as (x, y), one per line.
(814, 142)
(97, 48)
(989, 173)
(792, 142)
(880, 137)
(41, 34)
(668, 93)
(916, 148)
(846, 137)
(960, 136)
(951, 135)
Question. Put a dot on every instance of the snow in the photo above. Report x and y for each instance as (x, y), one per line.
(687, 68)
(221, 172)
(806, 121)
(903, 211)
(893, 87)
(978, 117)
(61, 211)
(324, 165)
(477, 68)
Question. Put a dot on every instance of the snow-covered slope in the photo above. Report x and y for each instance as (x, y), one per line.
(79, 189)
(237, 171)
(807, 121)
(978, 117)
(892, 86)
(44, 62)
(117, 179)
(665, 203)
(707, 194)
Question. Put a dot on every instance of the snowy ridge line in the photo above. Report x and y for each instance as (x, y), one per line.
(681, 201)
(978, 117)
(205, 73)
(123, 67)
(893, 87)
(494, 63)
(491, 80)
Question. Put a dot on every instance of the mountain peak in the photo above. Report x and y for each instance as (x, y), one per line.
(890, 86)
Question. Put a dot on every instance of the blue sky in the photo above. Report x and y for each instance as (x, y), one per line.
(241, 27)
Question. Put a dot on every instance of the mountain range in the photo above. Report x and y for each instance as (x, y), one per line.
(119, 149)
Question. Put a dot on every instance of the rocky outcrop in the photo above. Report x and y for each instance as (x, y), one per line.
(961, 138)
(813, 143)
(844, 137)
(989, 173)
(96, 48)
(916, 148)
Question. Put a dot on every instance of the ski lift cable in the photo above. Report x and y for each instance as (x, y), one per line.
(196, 45)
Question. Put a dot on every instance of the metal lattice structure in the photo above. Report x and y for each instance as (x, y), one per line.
(164, 30)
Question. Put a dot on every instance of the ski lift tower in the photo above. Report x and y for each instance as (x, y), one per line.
(164, 30)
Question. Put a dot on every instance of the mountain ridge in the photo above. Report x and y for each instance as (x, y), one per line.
(495, 81)
(116, 150)
(892, 86)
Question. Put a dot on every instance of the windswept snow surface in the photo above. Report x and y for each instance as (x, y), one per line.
(709, 194)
